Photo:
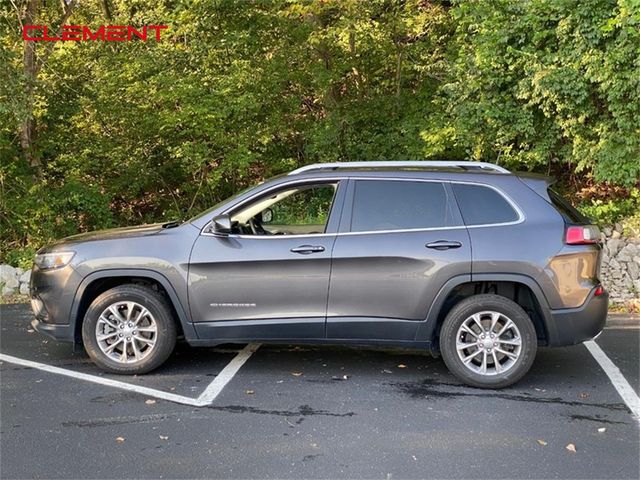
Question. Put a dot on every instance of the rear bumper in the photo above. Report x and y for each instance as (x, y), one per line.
(570, 326)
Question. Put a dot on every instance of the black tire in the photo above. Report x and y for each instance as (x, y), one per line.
(483, 303)
(156, 304)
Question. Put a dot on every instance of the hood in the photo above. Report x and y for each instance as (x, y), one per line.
(109, 234)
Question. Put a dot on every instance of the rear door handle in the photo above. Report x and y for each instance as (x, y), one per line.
(307, 249)
(443, 245)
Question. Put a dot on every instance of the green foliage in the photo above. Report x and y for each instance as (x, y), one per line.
(542, 82)
(238, 91)
(612, 211)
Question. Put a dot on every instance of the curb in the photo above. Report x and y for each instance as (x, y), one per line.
(623, 320)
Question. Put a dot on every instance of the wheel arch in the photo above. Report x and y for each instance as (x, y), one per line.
(98, 282)
(522, 289)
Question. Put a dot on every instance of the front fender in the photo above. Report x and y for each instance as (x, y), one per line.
(178, 304)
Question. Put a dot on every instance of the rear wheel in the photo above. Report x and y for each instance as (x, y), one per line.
(129, 330)
(488, 341)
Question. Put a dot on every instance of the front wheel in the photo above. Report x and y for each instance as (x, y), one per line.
(129, 330)
(488, 341)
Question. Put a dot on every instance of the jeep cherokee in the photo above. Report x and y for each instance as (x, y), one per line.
(462, 259)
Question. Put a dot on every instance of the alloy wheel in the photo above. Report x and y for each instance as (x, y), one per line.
(488, 343)
(126, 332)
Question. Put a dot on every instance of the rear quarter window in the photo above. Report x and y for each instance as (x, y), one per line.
(482, 205)
(564, 208)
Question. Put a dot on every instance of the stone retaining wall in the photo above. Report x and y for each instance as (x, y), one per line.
(620, 272)
(14, 280)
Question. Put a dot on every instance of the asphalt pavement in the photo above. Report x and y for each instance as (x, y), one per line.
(314, 412)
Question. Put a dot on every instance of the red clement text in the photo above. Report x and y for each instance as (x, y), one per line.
(104, 33)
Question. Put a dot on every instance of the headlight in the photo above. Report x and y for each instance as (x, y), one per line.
(53, 260)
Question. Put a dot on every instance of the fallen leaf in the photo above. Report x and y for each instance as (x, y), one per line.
(163, 437)
(543, 443)
(120, 439)
(402, 365)
(249, 392)
(571, 447)
(150, 402)
(602, 429)
(296, 374)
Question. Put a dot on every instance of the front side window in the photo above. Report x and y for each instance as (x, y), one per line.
(482, 205)
(399, 205)
(299, 210)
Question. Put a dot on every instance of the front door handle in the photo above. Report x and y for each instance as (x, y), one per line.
(307, 249)
(443, 245)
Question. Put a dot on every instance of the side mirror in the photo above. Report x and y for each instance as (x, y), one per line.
(221, 225)
(267, 215)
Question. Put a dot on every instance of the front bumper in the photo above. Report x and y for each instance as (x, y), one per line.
(571, 326)
(52, 294)
(62, 333)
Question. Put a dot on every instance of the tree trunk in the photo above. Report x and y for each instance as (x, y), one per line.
(106, 10)
(28, 126)
(32, 63)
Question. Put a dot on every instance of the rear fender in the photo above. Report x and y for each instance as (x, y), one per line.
(427, 331)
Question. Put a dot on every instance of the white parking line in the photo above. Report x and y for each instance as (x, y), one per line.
(213, 390)
(620, 383)
(208, 396)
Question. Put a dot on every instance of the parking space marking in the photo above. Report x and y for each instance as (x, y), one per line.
(213, 390)
(172, 397)
(620, 383)
(208, 396)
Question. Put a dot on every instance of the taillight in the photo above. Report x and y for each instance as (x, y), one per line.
(582, 235)
(599, 291)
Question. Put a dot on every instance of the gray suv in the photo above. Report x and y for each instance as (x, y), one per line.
(462, 259)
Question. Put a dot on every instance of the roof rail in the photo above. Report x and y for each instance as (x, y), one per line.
(467, 165)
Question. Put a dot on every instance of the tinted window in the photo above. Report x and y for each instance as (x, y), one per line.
(482, 205)
(394, 205)
(569, 213)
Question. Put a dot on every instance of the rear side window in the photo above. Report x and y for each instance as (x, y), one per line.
(398, 205)
(481, 205)
(570, 214)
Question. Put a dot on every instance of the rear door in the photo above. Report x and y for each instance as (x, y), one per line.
(400, 240)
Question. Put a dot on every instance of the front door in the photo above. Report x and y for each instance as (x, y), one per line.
(269, 278)
(399, 242)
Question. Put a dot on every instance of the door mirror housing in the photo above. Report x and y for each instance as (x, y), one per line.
(221, 225)
(267, 215)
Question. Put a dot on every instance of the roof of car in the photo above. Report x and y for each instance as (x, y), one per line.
(403, 165)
